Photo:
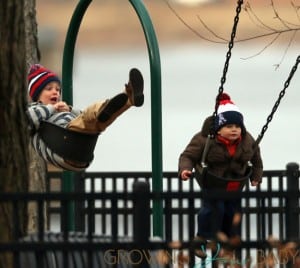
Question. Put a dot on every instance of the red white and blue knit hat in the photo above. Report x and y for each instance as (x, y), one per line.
(38, 78)
(228, 113)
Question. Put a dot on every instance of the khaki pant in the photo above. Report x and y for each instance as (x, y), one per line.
(87, 121)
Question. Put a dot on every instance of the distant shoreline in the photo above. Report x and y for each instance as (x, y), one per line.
(114, 23)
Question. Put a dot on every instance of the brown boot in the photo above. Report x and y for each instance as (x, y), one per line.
(135, 87)
(111, 106)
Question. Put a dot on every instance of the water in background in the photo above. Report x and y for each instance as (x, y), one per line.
(190, 80)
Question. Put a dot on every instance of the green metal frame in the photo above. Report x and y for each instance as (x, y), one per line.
(156, 117)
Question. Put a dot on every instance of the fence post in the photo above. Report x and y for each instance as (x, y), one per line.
(141, 224)
(141, 212)
(79, 205)
(292, 202)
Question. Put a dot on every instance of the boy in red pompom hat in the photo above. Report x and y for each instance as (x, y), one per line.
(228, 155)
(44, 88)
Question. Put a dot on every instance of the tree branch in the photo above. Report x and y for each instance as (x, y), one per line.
(255, 19)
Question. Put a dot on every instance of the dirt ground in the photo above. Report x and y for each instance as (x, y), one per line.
(114, 22)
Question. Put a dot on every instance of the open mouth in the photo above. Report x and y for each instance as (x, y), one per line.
(54, 99)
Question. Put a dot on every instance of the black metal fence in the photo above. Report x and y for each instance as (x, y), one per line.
(113, 215)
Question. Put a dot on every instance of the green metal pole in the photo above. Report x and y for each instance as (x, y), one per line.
(69, 48)
(156, 114)
(155, 69)
(67, 86)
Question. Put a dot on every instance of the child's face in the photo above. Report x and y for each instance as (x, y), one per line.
(230, 132)
(51, 93)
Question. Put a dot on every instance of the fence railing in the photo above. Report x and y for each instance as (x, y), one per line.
(113, 219)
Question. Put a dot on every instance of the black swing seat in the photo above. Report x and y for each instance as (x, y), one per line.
(68, 144)
(208, 180)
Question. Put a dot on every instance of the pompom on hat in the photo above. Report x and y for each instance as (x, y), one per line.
(38, 78)
(228, 113)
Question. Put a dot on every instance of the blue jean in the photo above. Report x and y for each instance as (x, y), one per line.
(217, 215)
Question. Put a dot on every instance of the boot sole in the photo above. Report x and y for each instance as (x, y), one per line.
(137, 83)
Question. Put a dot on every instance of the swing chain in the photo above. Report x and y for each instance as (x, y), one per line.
(226, 65)
(228, 55)
(281, 94)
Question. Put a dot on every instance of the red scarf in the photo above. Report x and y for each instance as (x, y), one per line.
(231, 146)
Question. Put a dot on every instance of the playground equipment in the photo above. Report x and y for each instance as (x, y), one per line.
(155, 75)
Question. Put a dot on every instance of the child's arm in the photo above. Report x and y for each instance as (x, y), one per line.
(74, 110)
(37, 113)
(257, 168)
(190, 156)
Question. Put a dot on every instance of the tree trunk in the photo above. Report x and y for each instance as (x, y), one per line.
(14, 136)
(37, 168)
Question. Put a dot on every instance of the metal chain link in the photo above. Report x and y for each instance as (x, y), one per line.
(281, 94)
(228, 56)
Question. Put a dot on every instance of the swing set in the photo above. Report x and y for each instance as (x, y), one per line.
(62, 141)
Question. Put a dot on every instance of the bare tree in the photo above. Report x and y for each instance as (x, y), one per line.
(18, 47)
(13, 131)
(283, 26)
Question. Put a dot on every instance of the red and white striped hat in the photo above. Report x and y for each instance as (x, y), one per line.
(227, 113)
(38, 78)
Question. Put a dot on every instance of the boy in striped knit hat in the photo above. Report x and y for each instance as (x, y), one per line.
(44, 88)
